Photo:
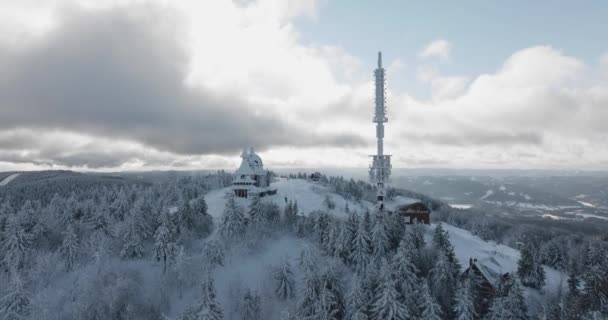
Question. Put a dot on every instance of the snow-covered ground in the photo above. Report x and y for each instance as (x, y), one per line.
(309, 195)
(461, 205)
(8, 179)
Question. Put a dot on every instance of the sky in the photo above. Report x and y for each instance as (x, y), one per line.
(145, 85)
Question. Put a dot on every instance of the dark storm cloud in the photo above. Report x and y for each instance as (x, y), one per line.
(118, 75)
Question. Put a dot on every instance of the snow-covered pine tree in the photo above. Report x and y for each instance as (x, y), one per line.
(331, 283)
(208, 307)
(386, 305)
(379, 239)
(510, 307)
(250, 307)
(357, 301)
(290, 216)
(405, 274)
(203, 222)
(464, 308)
(360, 255)
(529, 269)
(351, 225)
(137, 232)
(444, 280)
(367, 221)
(214, 253)
(285, 282)
(69, 247)
(396, 227)
(571, 300)
(332, 237)
(233, 221)
(14, 305)
(514, 303)
(255, 214)
(320, 227)
(309, 293)
(99, 219)
(325, 307)
(15, 244)
(441, 242)
(342, 243)
(431, 310)
(416, 233)
(164, 240)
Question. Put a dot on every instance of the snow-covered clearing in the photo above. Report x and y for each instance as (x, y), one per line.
(586, 204)
(9, 179)
(461, 206)
(309, 195)
(488, 193)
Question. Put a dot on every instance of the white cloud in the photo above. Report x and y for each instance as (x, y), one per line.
(439, 49)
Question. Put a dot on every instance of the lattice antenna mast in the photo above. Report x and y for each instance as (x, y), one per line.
(380, 169)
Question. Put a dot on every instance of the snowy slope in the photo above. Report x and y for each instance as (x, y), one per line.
(9, 179)
(467, 245)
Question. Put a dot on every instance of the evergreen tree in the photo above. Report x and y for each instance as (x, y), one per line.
(99, 219)
(69, 247)
(431, 310)
(207, 308)
(285, 283)
(386, 305)
(572, 309)
(444, 282)
(214, 253)
(357, 301)
(360, 254)
(251, 309)
(325, 308)
(309, 294)
(137, 232)
(380, 239)
(405, 274)
(202, 221)
(514, 303)
(15, 244)
(342, 243)
(14, 305)
(164, 240)
(465, 305)
(255, 214)
(509, 307)
(529, 269)
(290, 215)
(233, 221)
(332, 237)
(416, 237)
(441, 243)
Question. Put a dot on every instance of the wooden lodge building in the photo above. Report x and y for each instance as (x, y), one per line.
(416, 212)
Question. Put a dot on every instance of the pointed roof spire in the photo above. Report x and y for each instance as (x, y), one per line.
(379, 59)
(244, 154)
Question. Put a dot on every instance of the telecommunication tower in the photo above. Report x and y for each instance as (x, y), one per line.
(380, 169)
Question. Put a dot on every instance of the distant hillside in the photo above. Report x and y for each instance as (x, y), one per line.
(42, 185)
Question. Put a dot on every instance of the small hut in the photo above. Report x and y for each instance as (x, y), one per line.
(488, 278)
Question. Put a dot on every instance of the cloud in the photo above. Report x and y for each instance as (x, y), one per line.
(541, 102)
(120, 74)
(439, 49)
